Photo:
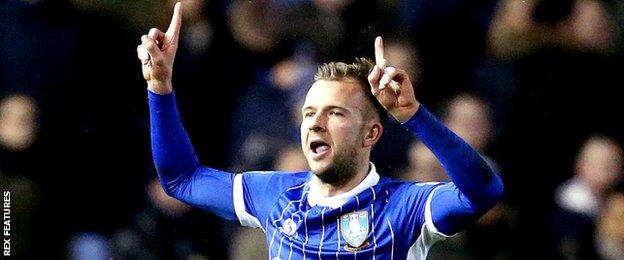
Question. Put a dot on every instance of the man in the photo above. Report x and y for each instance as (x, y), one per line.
(342, 208)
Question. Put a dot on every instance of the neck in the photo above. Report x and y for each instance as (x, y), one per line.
(328, 190)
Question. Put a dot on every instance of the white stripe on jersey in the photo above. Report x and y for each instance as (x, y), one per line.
(290, 254)
(338, 232)
(296, 187)
(322, 231)
(279, 251)
(374, 194)
(429, 234)
(284, 210)
(238, 198)
(305, 223)
(271, 244)
(373, 226)
(392, 238)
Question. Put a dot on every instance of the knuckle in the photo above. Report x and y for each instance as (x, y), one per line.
(150, 45)
(153, 33)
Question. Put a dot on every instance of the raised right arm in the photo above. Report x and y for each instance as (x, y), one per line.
(179, 171)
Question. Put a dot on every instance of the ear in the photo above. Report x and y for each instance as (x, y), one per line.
(372, 134)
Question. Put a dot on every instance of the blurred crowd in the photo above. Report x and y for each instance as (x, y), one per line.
(531, 84)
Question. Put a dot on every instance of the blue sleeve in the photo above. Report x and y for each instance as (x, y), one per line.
(179, 170)
(475, 187)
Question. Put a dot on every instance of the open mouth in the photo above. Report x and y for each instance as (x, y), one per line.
(319, 148)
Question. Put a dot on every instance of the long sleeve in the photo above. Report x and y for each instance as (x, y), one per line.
(475, 187)
(179, 170)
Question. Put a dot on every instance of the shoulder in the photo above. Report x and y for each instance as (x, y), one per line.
(390, 183)
(403, 189)
(276, 179)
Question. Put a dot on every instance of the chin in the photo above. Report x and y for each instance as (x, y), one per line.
(318, 167)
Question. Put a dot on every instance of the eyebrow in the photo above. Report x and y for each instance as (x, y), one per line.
(329, 108)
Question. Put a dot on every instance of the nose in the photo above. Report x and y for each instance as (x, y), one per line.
(317, 124)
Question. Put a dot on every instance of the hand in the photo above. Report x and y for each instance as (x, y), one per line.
(157, 52)
(392, 87)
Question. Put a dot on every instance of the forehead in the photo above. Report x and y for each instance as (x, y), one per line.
(345, 93)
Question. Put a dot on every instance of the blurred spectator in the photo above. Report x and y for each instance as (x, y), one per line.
(470, 118)
(609, 237)
(338, 30)
(423, 165)
(451, 38)
(252, 24)
(466, 115)
(25, 199)
(290, 158)
(523, 26)
(18, 122)
(598, 169)
(56, 55)
(403, 54)
(265, 120)
(88, 246)
(248, 244)
(560, 89)
(18, 132)
(168, 229)
(209, 63)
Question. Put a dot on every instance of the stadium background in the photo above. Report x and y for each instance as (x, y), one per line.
(532, 84)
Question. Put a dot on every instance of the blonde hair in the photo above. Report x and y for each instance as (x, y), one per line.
(359, 70)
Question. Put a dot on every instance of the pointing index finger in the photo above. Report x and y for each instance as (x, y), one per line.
(176, 22)
(379, 52)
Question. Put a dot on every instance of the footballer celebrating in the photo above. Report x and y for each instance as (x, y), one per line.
(341, 208)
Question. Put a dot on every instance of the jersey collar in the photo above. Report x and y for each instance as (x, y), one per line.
(315, 198)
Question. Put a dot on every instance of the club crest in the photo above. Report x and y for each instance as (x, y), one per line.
(354, 228)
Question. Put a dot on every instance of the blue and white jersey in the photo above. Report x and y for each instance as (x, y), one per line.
(380, 218)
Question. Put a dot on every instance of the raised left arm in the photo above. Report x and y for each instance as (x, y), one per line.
(475, 187)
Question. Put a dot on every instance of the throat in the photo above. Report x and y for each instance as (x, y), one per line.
(333, 184)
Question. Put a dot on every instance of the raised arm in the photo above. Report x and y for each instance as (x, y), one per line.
(179, 170)
(475, 188)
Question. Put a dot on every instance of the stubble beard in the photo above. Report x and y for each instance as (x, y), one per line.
(341, 170)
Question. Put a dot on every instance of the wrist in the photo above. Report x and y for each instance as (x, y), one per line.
(158, 87)
(409, 113)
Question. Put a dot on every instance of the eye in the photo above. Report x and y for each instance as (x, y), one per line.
(308, 114)
(335, 113)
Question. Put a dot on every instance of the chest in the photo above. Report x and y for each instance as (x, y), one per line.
(365, 228)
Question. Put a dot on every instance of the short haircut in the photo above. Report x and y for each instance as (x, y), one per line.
(359, 70)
